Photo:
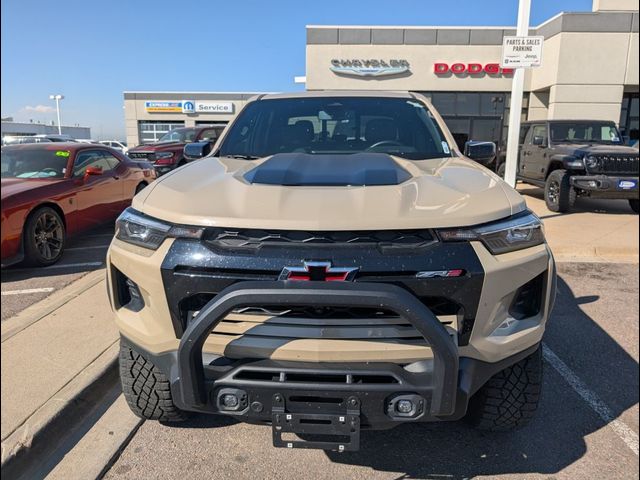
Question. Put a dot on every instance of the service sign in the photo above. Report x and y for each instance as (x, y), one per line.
(213, 107)
(522, 52)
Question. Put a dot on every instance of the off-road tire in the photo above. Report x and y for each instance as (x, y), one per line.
(634, 203)
(34, 224)
(559, 195)
(510, 398)
(146, 388)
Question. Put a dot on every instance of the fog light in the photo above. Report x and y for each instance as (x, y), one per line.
(404, 406)
(229, 400)
(408, 406)
(232, 400)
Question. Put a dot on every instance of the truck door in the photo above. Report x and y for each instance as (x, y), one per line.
(533, 152)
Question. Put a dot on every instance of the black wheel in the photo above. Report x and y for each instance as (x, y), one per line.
(146, 388)
(140, 187)
(559, 195)
(510, 398)
(44, 237)
(502, 169)
(633, 203)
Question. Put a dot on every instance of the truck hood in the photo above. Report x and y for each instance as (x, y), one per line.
(582, 149)
(153, 147)
(444, 192)
(14, 186)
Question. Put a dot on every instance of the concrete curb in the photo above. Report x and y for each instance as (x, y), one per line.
(38, 311)
(61, 411)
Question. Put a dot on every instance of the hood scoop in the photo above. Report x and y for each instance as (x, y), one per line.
(303, 169)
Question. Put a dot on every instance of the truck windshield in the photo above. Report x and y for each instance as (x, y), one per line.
(585, 132)
(336, 125)
(181, 135)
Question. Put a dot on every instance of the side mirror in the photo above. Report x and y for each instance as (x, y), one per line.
(194, 151)
(481, 152)
(537, 140)
(93, 171)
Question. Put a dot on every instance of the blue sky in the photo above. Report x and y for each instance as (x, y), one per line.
(92, 51)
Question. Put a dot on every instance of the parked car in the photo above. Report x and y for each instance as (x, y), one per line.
(167, 153)
(335, 264)
(120, 146)
(577, 158)
(19, 140)
(54, 190)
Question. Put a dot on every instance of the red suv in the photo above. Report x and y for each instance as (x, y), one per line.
(167, 153)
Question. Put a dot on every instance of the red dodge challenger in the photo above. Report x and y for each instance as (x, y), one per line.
(53, 190)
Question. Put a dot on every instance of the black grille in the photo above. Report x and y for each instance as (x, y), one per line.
(141, 155)
(253, 239)
(617, 164)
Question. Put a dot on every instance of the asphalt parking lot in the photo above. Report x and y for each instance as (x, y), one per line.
(22, 287)
(586, 427)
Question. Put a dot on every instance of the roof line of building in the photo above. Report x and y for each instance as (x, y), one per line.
(182, 92)
(415, 27)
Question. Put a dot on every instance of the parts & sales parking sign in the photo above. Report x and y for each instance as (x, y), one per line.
(519, 52)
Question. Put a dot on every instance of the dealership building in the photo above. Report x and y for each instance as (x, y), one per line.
(589, 71)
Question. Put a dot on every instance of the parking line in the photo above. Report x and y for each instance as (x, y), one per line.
(85, 248)
(626, 434)
(28, 290)
(57, 265)
(73, 265)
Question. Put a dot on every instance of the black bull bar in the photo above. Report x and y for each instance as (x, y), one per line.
(191, 387)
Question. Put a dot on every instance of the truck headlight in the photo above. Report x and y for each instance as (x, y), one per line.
(575, 163)
(139, 229)
(519, 231)
(161, 155)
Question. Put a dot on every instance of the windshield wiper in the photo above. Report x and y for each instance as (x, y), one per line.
(243, 157)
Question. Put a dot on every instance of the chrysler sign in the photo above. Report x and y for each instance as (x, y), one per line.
(369, 67)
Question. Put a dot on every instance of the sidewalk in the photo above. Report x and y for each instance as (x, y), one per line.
(595, 230)
(46, 362)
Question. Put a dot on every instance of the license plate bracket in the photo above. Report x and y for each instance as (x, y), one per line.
(342, 431)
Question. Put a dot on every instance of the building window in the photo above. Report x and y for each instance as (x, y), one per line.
(630, 117)
(151, 131)
(476, 116)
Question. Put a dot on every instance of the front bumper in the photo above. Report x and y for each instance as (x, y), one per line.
(439, 388)
(604, 186)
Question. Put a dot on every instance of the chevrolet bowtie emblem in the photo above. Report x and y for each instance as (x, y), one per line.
(318, 272)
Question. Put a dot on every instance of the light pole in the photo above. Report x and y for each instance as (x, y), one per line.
(515, 106)
(57, 98)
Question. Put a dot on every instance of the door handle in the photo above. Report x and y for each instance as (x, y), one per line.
(116, 177)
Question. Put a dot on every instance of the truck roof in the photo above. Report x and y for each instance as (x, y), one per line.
(339, 93)
(529, 122)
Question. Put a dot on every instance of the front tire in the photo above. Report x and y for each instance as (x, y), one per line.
(502, 170)
(44, 237)
(510, 398)
(559, 195)
(634, 203)
(146, 388)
